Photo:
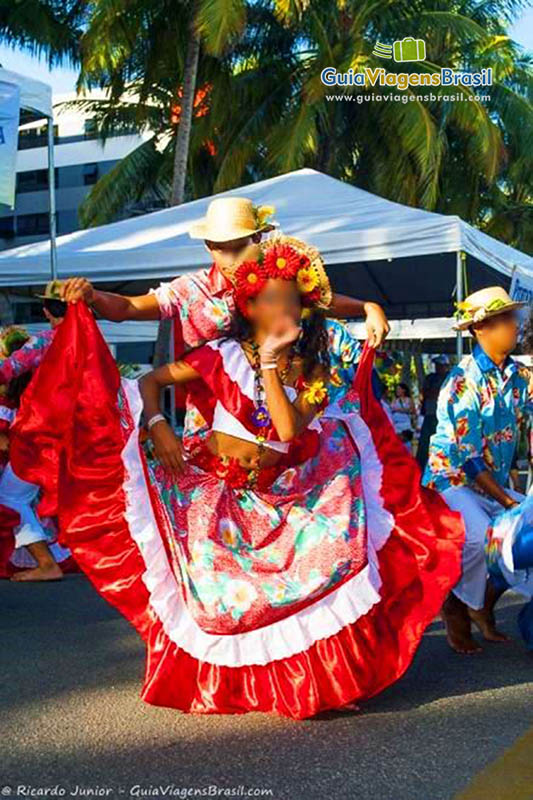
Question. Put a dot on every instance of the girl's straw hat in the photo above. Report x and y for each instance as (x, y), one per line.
(482, 305)
(230, 218)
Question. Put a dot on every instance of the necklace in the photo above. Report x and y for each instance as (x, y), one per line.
(260, 416)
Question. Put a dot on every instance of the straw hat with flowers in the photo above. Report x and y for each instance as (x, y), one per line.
(482, 305)
(230, 218)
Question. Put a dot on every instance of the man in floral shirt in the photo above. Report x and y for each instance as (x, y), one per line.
(480, 409)
(202, 302)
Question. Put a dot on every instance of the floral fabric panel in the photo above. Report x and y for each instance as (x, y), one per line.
(245, 558)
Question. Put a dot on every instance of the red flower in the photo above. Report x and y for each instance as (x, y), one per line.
(282, 261)
(236, 476)
(311, 298)
(250, 278)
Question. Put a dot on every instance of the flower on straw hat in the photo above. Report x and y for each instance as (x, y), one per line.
(262, 215)
(308, 258)
(483, 305)
(52, 290)
(282, 261)
(309, 285)
(250, 278)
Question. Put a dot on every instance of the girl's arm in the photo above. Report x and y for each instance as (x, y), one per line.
(167, 446)
(377, 325)
(290, 419)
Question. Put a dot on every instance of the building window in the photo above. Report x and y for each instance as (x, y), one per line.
(90, 129)
(7, 227)
(90, 174)
(34, 180)
(33, 224)
(35, 137)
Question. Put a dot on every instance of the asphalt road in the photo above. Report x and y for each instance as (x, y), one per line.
(70, 716)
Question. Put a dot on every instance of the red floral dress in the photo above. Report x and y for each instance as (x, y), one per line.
(305, 596)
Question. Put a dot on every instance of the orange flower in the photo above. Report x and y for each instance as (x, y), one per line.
(309, 286)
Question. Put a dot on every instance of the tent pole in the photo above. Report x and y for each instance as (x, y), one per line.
(52, 199)
(459, 291)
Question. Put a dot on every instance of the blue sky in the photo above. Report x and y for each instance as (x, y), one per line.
(63, 80)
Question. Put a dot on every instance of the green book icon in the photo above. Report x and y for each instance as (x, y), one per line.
(409, 49)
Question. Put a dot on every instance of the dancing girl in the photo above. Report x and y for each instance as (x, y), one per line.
(281, 557)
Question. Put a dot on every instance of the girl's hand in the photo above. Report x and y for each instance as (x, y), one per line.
(377, 324)
(284, 333)
(4, 442)
(167, 447)
(74, 289)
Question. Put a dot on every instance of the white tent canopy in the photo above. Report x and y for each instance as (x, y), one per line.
(34, 95)
(132, 332)
(357, 232)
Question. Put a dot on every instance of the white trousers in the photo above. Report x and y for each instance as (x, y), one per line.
(19, 496)
(477, 512)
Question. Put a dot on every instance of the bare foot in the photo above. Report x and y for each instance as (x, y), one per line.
(41, 573)
(484, 620)
(458, 626)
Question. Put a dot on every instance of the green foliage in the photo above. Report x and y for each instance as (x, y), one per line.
(261, 108)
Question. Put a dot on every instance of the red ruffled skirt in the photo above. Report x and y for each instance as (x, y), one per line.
(349, 642)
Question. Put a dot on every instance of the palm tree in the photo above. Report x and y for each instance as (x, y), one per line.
(227, 93)
(398, 150)
(52, 29)
(143, 49)
(240, 94)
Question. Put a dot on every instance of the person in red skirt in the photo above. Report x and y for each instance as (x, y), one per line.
(288, 561)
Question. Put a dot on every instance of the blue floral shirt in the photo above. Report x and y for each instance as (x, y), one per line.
(479, 413)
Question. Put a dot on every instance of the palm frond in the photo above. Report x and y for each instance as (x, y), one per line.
(123, 185)
(219, 22)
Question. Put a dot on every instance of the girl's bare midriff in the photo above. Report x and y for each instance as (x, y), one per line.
(247, 453)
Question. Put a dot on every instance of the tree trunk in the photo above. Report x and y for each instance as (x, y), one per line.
(181, 156)
(183, 134)
(406, 366)
(420, 374)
